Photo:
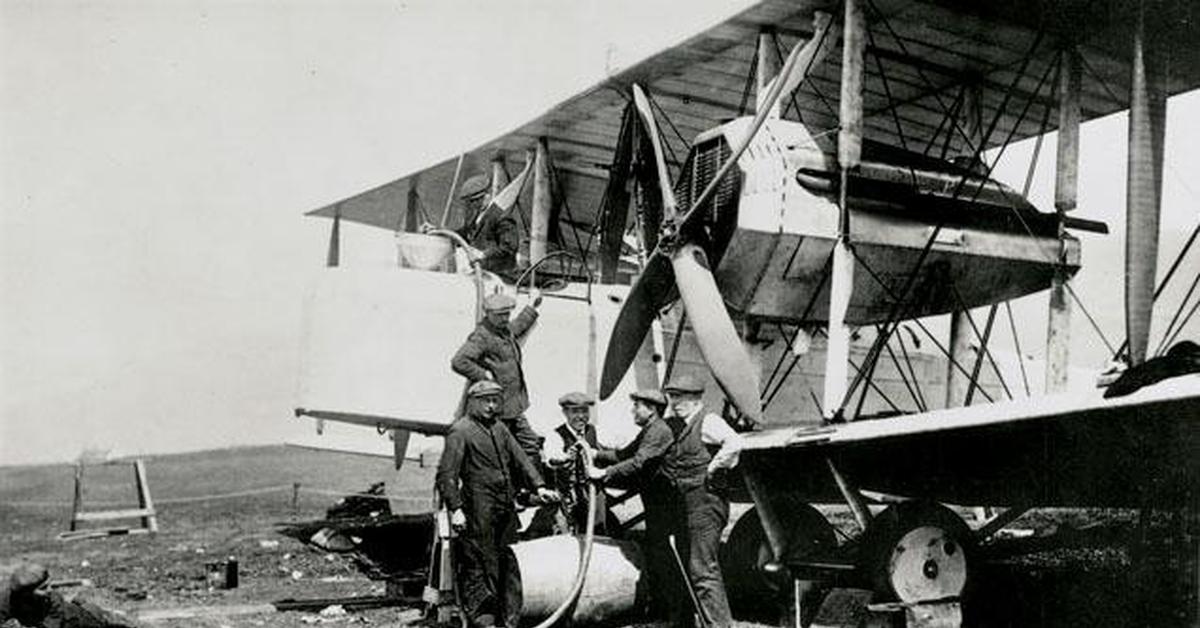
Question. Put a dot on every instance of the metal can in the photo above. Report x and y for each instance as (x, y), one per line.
(231, 573)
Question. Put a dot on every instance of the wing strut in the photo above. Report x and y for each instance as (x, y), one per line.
(1058, 326)
(1147, 123)
(837, 357)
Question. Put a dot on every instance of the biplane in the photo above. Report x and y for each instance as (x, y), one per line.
(809, 169)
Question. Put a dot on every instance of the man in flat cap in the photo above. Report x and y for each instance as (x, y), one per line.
(690, 467)
(492, 352)
(476, 479)
(577, 427)
(639, 465)
(488, 228)
(560, 450)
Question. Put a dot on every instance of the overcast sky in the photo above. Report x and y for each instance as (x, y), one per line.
(156, 157)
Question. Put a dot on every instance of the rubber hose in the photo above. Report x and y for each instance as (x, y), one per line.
(588, 538)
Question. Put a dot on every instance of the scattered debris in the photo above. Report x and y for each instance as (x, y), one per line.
(336, 610)
(370, 503)
(331, 540)
(384, 546)
(346, 604)
(72, 582)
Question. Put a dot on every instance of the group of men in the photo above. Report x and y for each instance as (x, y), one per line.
(492, 453)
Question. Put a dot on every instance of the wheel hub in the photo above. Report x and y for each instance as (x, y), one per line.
(927, 564)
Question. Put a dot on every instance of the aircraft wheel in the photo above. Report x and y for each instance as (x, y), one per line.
(915, 551)
(746, 555)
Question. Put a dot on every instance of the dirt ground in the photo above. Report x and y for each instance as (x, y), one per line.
(169, 570)
(200, 523)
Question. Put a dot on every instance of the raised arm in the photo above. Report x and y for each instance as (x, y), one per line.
(524, 321)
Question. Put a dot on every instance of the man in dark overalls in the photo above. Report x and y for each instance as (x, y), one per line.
(689, 466)
(475, 477)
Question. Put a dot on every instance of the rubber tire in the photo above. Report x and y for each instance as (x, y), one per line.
(747, 549)
(888, 527)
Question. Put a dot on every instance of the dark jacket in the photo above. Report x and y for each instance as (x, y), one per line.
(686, 464)
(484, 456)
(641, 459)
(494, 233)
(495, 351)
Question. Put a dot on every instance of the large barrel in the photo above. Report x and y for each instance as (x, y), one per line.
(548, 566)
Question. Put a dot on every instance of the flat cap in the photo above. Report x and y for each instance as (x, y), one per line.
(498, 302)
(575, 399)
(651, 396)
(688, 384)
(475, 185)
(484, 388)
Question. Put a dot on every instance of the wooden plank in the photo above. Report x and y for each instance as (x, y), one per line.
(149, 520)
(76, 535)
(197, 612)
(109, 515)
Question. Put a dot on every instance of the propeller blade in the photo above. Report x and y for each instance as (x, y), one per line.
(652, 289)
(794, 70)
(811, 54)
(718, 339)
(664, 177)
(508, 196)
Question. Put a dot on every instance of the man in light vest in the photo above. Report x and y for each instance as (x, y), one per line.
(560, 449)
(690, 466)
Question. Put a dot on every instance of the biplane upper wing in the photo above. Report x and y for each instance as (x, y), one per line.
(921, 57)
(1058, 450)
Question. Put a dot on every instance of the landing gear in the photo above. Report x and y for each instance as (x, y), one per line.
(753, 573)
(916, 551)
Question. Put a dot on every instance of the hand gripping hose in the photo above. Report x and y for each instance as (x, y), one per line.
(588, 538)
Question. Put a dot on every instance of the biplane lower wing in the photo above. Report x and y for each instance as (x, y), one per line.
(1061, 450)
(379, 422)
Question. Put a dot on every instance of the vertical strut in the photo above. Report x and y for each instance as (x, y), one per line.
(543, 201)
(849, 153)
(1147, 122)
(1058, 327)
